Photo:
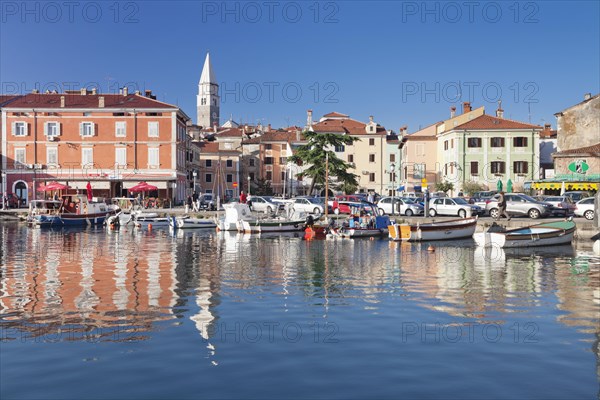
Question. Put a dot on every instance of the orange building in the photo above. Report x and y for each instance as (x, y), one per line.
(114, 141)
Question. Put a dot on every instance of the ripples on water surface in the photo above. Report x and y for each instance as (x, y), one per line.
(132, 314)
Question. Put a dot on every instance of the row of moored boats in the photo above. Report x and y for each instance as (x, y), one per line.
(77, 210)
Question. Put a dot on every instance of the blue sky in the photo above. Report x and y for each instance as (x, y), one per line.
(399, 61)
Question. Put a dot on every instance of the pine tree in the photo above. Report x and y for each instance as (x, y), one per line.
(314, 154)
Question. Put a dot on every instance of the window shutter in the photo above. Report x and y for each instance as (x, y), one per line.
(81, 125)
(45, 128)
(58, 130)
(93, 129)
(14, 128)
(26, 129)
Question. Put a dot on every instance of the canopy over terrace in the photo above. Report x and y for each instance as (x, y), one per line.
(587, 183)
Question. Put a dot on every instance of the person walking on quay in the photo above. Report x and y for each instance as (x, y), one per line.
(502, 207)
(195, 202)
(243, 197)
(188, 204)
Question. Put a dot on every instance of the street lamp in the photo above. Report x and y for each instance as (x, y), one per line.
(393, 169)
(195, 174)
(248, 185)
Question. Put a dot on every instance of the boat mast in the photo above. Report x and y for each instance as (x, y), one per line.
(326, 184)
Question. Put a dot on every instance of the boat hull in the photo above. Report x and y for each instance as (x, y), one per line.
(69, 220)
(192, 223)
(447, 230)
(550, 234)
(270, 226)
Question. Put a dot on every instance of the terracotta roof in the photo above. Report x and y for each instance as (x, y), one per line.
(7, 98)
(275, 136)
(595, 149)
(487, 122)
(335, 115)
(213, 147)
(548, 133)
(52, 100)
(230, 132)
(348, 126)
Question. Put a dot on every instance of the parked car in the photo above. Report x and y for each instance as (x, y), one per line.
(577, 195)
(264, 204)
(352, 207)
(452, 206)
(312, 205)
(585, 208)
(563, 205)
(401, 206)
(482, 198)
(208, 201)
(520, 204)
(12, 201)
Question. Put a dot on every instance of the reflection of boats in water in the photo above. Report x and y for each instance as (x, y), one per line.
(546, 234)
(444, 230)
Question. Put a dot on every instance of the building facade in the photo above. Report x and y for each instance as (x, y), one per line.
(367, 154)
(489, 149)
(113, 141)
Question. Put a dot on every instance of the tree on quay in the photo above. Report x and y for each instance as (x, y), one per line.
(314, 154)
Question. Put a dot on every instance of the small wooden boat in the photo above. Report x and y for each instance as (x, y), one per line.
(444, 230)
(546, 234)
(73, 210)
(191, 223)
(271, 225)
(144, 220)
(357, 227)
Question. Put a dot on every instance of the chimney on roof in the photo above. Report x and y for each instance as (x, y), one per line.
(215, 128)
(370, 118)
(587, 96)
(62, 101)
(309, 119)
(83, 91)
(148, 94)
(137, 92)
(500, 111)
(269, 128)
(466, 107)
(101, 102)
(125, 91)
(94, 91)
(35, 91)
(452, 112)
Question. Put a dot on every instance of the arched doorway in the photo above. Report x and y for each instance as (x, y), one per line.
(20, 190)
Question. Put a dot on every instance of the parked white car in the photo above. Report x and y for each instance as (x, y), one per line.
(310, 205)
(401, 206)
(453, 206)
(585, 208)
(264, 204)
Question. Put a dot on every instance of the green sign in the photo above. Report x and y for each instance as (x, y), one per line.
(579, 166)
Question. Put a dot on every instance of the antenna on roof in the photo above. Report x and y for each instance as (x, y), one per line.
(529, 110)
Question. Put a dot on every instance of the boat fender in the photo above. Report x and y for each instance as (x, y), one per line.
(431, 249)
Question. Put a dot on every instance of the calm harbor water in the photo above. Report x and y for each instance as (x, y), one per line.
(135, 314)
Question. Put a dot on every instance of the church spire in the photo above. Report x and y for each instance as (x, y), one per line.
(208, 101)
(208, 75)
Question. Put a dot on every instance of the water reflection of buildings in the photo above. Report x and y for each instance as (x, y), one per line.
(78, 284)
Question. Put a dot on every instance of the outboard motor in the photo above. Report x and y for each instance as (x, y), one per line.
(310, 221)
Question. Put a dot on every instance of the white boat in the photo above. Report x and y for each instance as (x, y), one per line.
(191, 223)
(277, 224)
(547, 234)
(444, 230)
(234, 212)
(365, 226)
(144, 220)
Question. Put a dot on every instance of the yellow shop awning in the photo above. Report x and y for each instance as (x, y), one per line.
(568, 185)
